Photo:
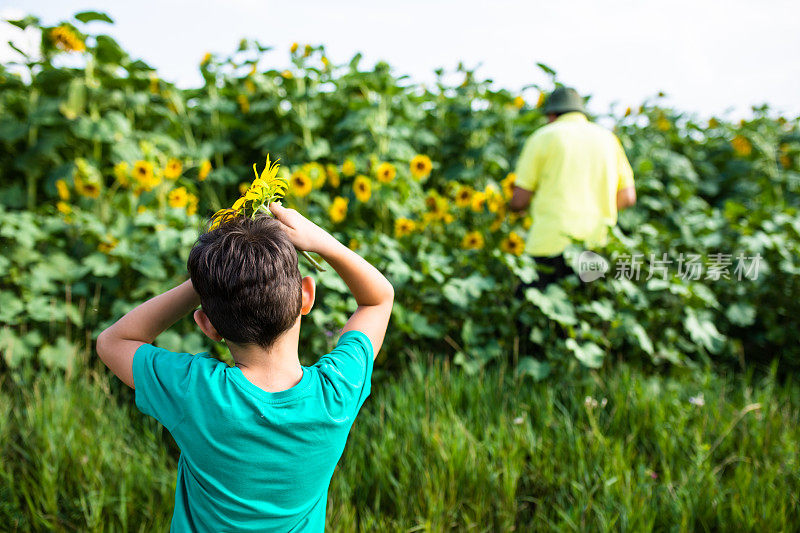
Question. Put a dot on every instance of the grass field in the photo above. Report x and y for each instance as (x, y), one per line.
(436, 450)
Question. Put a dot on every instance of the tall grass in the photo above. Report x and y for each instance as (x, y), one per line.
(434, 450)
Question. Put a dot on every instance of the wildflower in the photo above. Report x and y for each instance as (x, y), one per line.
(713, 122)
(88, 189)
(301, 184)
(249, 86)
(244, 103)
(589, 402)
(287, 74)
(294, 48)
(206, 59)
(421, 166)
(519, 102)
(403, 227)
(478, 201)
(338, 209)
(349, 168)
(663, 123)
(173, 169)
(64, 208)
(386, 172)
(527, 222)
(542, 99)
(325, 62)
(63, 190)
(741, 146)
(494, 199)
(307, 50)
(144, 175)
(628, 111)
(221, 216)
(65, 39)
(518, 421)
(438, 208)
(354, 244)
(191, 205)
(698, 400)
(508, 185)
(154, 83)
(333, 175)
(464, 196)
(121, 173)
(785, 160)
(178, 198)
(205, 170)
(472, 241)
(362, 188)
(513, 244)
(107, 244)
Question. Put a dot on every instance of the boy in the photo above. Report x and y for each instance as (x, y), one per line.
(260, 440)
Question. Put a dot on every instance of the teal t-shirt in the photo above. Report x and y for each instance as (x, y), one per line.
(252, 460)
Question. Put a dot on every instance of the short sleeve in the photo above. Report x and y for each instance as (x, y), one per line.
(347, 371)
(161, 380)
(624, 170)
(527, 166)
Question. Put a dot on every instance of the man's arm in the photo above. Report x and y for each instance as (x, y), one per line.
(626, 197)
(117, 344)
(372, 291)
(520, 199)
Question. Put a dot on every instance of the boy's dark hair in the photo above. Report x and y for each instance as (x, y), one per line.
(246, 274)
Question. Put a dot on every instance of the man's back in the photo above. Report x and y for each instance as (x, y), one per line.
(574, 168)
(252, 460)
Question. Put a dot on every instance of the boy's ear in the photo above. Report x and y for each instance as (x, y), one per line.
(309, 293)
(206, 326)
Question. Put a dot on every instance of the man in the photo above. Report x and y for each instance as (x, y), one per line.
(572, 177)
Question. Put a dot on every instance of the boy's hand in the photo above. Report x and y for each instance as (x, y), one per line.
(304, 234)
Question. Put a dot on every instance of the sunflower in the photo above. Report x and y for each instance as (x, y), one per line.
(178, 198)
(144, 175)
(348, 168)
(107, 244)
(173, 169)
(519, 102)
(221, 216)
(527, 222)
(205, 170)
(472, 241)
(741, 146)
(513, 244)
(191, 205)
(294, 48)
(362, 188)
(438, 208)
(353, 244)
(385, 172)
(300, 183)
(333, 175)
(508, 185)
(478, 201)
(65, 39)
(464, 196)
(420, 166)
(63, 190)
(338, 209)
(89, 189)
(121, 173)
(403, 227)
(494, 198)
(64, 208)
(244, 103)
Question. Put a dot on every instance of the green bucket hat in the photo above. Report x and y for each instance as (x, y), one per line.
(564, 100)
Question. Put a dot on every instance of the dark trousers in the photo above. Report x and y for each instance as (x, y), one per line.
(550, 270)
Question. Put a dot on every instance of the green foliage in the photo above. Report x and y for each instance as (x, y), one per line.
(145, 164)
(436, 450)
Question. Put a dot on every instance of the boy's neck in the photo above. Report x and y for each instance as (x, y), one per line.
(272, 369)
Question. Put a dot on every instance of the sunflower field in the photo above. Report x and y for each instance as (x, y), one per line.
(108, 172)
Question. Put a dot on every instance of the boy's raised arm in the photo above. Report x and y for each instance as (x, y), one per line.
(372, 291)
(117, 344)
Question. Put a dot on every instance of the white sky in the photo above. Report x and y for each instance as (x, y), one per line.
(708, 56)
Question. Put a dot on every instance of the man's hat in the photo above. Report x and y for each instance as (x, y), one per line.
(564, 100)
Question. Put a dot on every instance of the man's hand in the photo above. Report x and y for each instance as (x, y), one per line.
(520, 200)
(626, 198)
(304, 234)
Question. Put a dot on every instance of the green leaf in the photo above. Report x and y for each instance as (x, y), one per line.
(589, 354)
(554, 303)
(528, 366)
(741, 314)
(89, 16)
(702, 331)
(61, 355)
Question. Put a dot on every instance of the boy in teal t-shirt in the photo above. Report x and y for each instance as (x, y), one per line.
(259, 440)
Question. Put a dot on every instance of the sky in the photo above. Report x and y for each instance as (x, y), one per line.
(710, 57)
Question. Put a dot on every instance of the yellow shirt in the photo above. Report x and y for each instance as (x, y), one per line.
(574, 168)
